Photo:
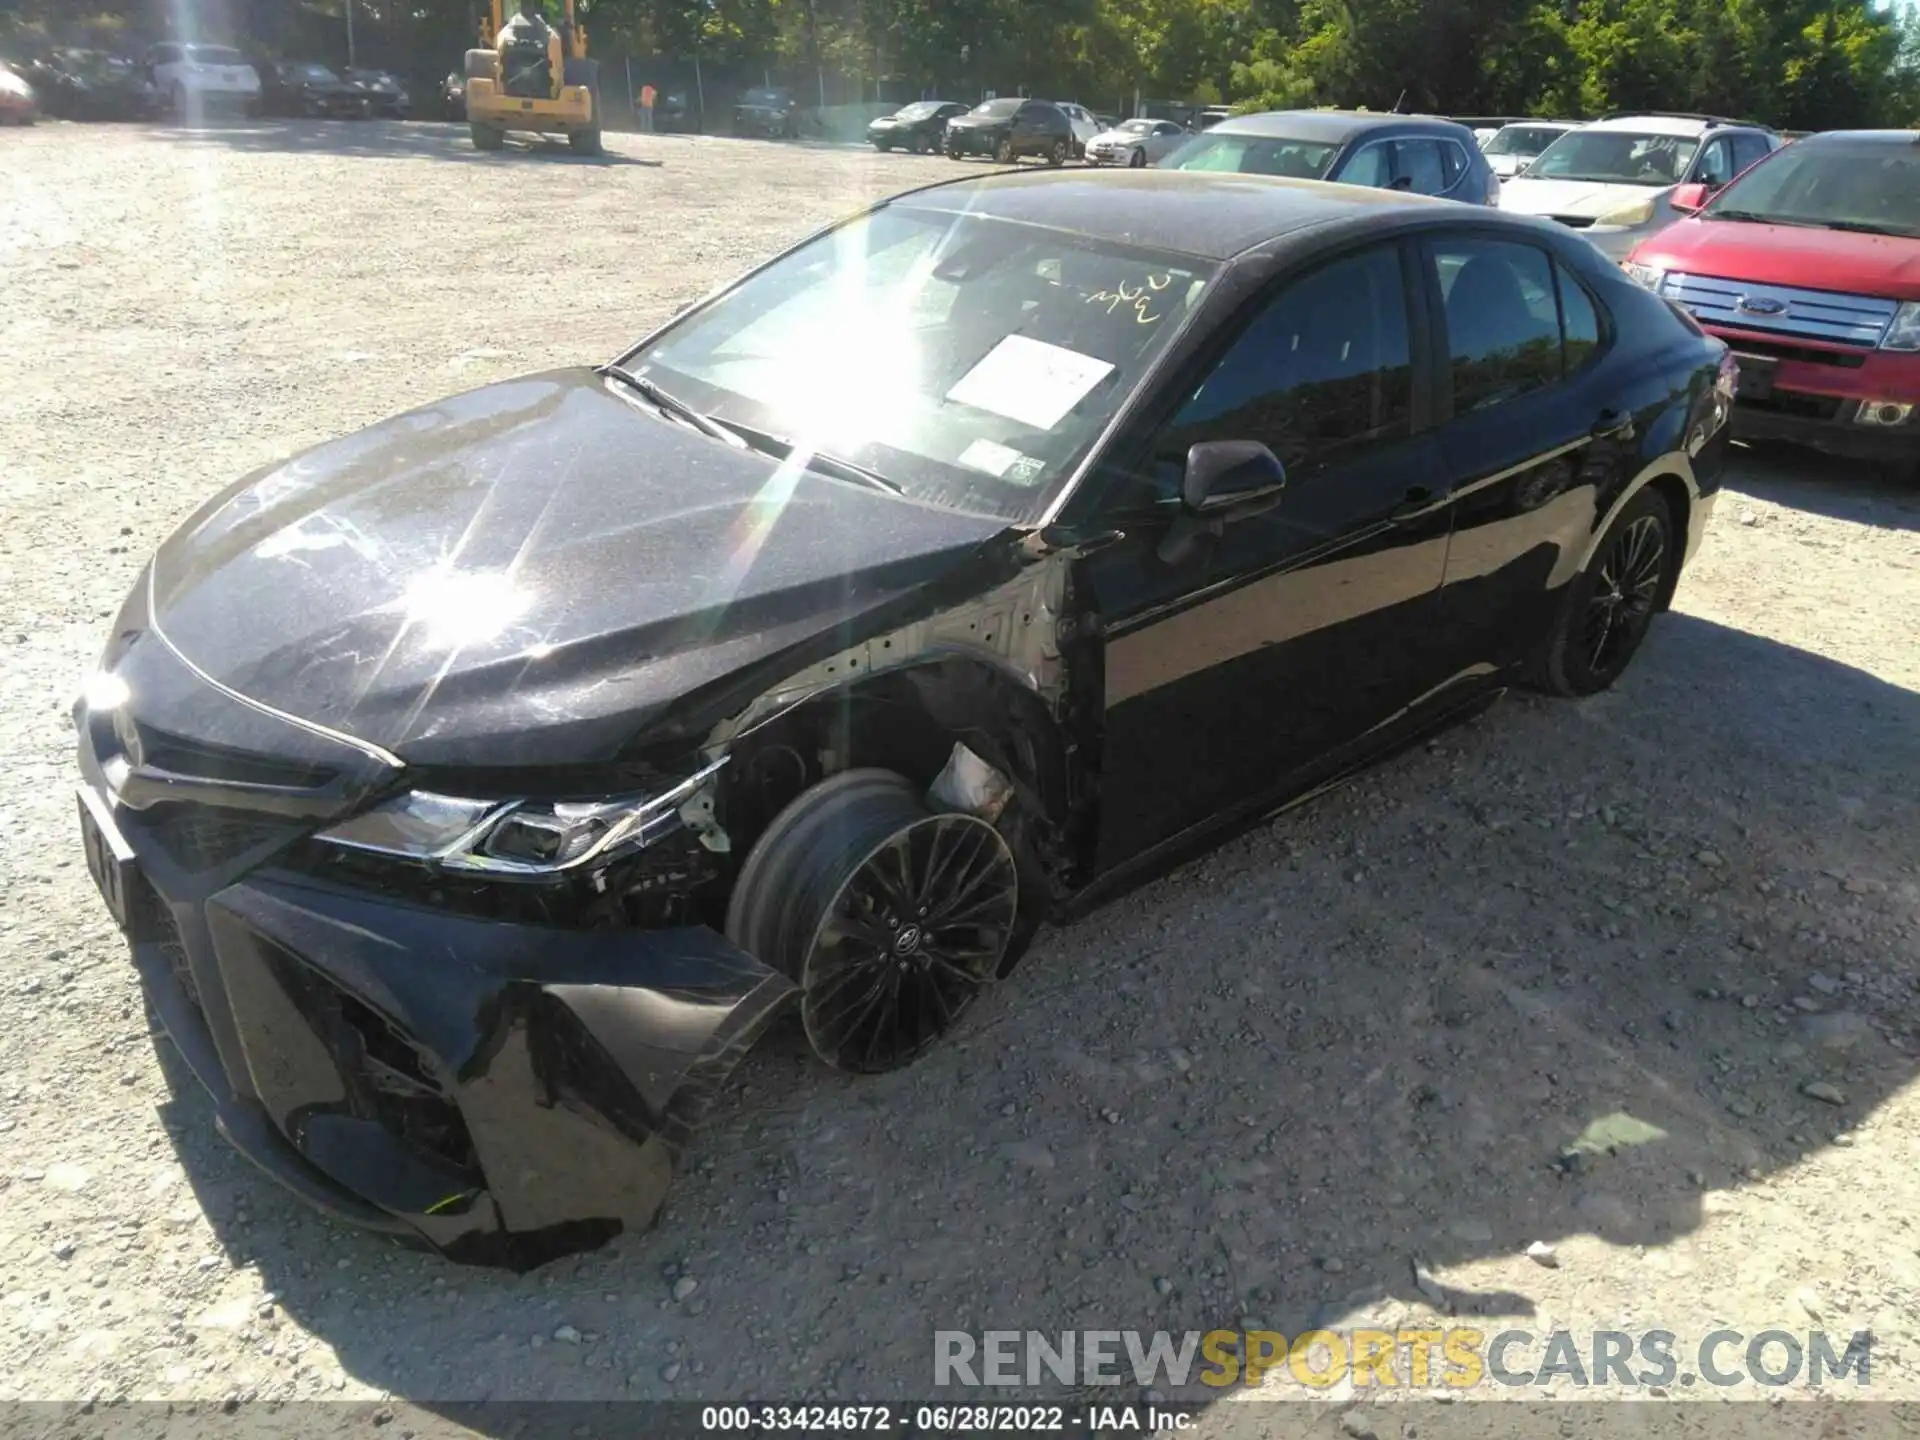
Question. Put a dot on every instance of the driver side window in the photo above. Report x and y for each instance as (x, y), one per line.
(1716, 163)
(1371, 165)
(1323, 368)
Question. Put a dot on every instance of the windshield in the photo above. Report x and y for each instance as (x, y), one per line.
(998, 107)
(1253, 155)
(1855, 187)
(214, 55)
(919, 110)
(92, 62)
(969, 360)
(312, 72)
(1615, 157)
(764, 97)
(1523, 139)
(1136, 127)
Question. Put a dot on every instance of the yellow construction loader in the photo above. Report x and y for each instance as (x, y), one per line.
(530, 73)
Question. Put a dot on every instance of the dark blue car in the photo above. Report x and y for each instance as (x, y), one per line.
(1415, 153)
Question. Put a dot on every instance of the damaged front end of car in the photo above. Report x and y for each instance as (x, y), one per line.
(486, 1011)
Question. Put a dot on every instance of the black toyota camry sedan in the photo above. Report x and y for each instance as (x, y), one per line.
(474, 790)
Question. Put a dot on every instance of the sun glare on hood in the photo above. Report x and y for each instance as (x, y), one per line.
(464, 607)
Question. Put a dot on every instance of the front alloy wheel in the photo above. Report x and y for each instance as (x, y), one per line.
(1003, 152)
(1138, 159)
(891, 918)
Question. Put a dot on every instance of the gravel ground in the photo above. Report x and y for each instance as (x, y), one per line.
(1260, 1088)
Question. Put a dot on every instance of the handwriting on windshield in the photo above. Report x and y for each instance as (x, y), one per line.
(1137, 298)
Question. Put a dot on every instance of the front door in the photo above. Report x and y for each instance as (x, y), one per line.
(1231, 668)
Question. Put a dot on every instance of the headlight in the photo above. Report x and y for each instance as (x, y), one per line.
(516, 837)
(1904, 333)
(1651, 276)
(1636, 214)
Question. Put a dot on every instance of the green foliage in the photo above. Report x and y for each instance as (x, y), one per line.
(1799, 64)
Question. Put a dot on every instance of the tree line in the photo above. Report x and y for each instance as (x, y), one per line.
(1796, 64)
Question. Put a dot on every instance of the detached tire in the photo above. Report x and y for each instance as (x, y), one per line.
(890, 917)
(1610, 605)
(486, 137)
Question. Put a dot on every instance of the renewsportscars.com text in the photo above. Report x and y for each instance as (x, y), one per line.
(1455, 1357)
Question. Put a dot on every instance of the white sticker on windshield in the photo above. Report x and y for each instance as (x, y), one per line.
(990, 456)
(1003, 463)
(1030, 381)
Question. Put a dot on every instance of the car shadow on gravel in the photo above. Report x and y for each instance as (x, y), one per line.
(1565, 975)
(1824, 485)
(385, 140)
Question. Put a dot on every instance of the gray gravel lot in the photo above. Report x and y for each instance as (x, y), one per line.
(1258, 1088)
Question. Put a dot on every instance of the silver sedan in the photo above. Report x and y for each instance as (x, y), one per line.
(1134, 142)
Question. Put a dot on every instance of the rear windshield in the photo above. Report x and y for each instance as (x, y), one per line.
(998, 107)
(1834, 186)
(1253, 155)
(214, 55)
(919, 110)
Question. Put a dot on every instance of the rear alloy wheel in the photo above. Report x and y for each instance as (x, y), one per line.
(1137, 160)
(1057, 155)
(891, 918)
(1610, 606)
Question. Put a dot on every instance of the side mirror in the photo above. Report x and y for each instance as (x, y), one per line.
(1225, 481)
(1231, 479)
(1690, 199)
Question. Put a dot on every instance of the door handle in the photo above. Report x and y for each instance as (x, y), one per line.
(1613, 424)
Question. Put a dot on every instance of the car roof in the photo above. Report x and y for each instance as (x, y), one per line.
(1550, 124)
(1333, 127)
(1682, 126)
(1211, 215)
(1862, 137)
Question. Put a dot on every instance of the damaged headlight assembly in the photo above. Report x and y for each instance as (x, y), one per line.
(525, 839)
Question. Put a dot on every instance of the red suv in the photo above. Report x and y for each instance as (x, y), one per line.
(1808, 266)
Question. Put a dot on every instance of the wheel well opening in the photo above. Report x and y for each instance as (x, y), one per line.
(907, 721)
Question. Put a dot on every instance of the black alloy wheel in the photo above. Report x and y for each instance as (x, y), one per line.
(891, 918)
(1138, 159)
(1057, 154)
(1610, 606)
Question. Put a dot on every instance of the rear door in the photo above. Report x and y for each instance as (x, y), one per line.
(1527, 434)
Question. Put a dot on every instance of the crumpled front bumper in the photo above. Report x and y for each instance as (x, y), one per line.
(503, 1092)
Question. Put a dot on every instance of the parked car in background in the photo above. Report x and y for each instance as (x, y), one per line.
(1135, 143)
(1211, 115)
(200, 80)
(672, 113)
(453, 96)
(1419, 154)
(17, 103)
(78, 84)
(307, 88)
(770, 113)
(386, 96)
(1514, 147)
(464, 862)
(1808, 266)
(1085, 127)
(1612, 178)
(1010, 127)
(921, 126)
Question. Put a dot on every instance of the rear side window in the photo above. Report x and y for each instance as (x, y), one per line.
(1579, 320)
(1418, 163)
(1371, 165)
(1453, 162)
(1503, 320)
(1748, 149)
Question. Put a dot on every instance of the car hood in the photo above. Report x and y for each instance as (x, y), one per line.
(529, 574)
(1530, 196)
(978, 122)
(1791, 255)
(1506, 166)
